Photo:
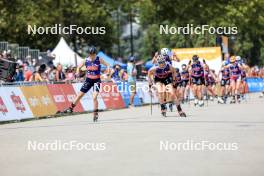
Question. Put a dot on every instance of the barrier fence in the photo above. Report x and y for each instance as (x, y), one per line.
(31, 101)
(25, 101)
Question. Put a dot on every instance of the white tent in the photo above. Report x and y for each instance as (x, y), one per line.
(65, 55)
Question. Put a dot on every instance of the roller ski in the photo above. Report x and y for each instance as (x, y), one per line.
(69, 110)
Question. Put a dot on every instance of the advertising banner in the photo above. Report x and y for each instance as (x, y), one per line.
(58, 97)
(112, 98)
(255, 84)
(124, 89)
(87, 99)
(70, 95)
(39, 100)
(144, 94)
(212, 56)
(13, 105)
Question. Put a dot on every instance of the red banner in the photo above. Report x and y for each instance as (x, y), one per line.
(112, 98)
(70, 95)
(58, 96)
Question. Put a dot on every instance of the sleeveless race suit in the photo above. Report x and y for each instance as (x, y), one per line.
(185, 77)
(235, 72)
(197, 73)
(163, 75)
(178, 80)
(93, 73)
(225, 77)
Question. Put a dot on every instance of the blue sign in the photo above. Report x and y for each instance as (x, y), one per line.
(123, 88)
(255, 84)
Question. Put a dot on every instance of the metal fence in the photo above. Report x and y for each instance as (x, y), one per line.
(3, 46)
(34, 53)
(13, 47)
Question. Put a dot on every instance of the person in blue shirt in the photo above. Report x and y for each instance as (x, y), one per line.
(132, 74)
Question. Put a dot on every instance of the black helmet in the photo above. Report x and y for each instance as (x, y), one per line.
(92, 50)
(195, 58)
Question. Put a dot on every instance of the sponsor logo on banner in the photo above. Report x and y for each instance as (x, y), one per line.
(111, 97)
(3, 108)
(58, 96)
(18, 102)
(212, 56)
(39, 100)
(15, 105)
(70, 95)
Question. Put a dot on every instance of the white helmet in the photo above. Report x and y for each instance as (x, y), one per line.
(238, 58)
(164, 51)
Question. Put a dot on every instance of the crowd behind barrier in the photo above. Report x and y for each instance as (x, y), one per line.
(22, 100)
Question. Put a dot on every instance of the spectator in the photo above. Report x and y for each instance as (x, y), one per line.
(60, 76)
(40, 75)
(27, 72)
(70, 74)
(20, 74)
(52, 73)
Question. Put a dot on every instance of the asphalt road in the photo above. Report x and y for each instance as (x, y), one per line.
(212, 140)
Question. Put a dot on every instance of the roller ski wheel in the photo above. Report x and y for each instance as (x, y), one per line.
(68, 110)
(232, 102)
(163, 114)
(182, 114)
(95, 118)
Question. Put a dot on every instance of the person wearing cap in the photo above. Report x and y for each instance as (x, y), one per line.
(132, 74)
(93, 79)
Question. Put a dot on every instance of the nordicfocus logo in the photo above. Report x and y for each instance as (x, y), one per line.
(58, 145)
(191, 29)
(65, 30)
(191, 145)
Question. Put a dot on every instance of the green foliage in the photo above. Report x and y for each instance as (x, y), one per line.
(247, 15)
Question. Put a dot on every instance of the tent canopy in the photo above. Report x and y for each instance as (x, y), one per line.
(65, 55)
(110, 61)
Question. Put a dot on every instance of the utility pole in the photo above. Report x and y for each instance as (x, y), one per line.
(131, 31)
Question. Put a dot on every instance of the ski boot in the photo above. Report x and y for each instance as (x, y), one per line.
(163, 109)
(70, 109)
(233, 101)
(182, 114)
(171, 107)
(196, 102)
(201, 103)
(238, 99)
(220, 100)
(95, 117)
